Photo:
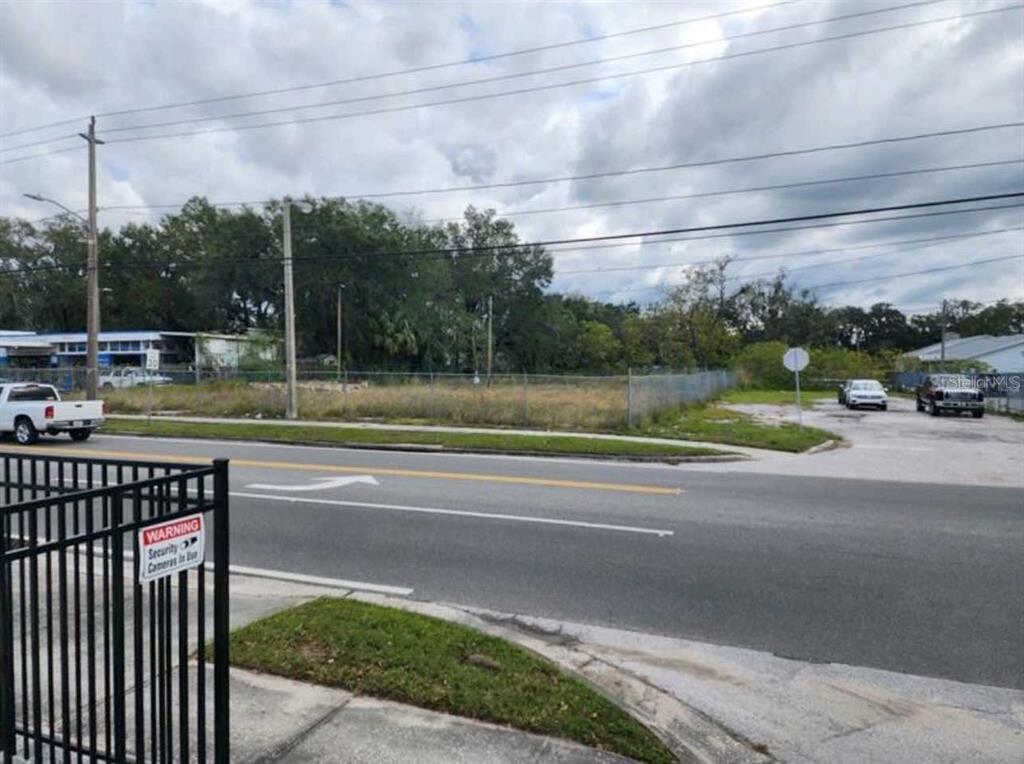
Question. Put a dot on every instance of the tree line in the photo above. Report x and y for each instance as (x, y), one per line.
(416, 296)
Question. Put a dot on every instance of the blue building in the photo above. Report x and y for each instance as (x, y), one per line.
(130, 348)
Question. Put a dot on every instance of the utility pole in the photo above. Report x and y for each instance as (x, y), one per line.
(491, 335)
(942, 356)
(291, 407)
(340, 287)
(92, 274)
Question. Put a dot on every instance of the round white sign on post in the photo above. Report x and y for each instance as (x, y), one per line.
(795, 359)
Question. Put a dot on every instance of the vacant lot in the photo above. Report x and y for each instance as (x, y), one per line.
(585, 405)
(576, 404)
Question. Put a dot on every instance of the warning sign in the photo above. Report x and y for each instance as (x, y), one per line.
(171, 547)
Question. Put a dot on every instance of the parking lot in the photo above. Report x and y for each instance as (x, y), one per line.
(900, 444)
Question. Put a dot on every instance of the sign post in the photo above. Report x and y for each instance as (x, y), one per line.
(796, 359)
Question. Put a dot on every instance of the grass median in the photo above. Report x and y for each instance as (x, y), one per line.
(510, 442)
(410, 658)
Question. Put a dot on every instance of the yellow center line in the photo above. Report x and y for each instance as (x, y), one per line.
(431, 474)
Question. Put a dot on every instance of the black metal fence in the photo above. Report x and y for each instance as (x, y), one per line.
(104, 657)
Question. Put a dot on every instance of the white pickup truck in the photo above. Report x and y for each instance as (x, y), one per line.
(28, 410)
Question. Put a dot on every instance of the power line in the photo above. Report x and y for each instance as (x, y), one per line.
(521, 246)
(786, 229)
(539, 88)
(916, 273)
(516, 75)
(805, 253)
(595, 247)
(856, 281)
(413, 70)
(44, 154)
(678, 197)
(620, 173)
(750, 189)
(840, 262)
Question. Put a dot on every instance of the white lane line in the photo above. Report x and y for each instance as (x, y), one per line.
(459, 513)
(334, 583)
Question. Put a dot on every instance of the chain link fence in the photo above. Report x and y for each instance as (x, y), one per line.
(1010, 403)
(660, 392)
(544, 401)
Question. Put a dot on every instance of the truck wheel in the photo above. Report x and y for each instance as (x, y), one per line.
(884, 407)
(934, 410)
(978, 414)
(25, 432)
(920, 406)
(79, 435)
(108, 386)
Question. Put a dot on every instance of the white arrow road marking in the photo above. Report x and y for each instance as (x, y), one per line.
(320, 484)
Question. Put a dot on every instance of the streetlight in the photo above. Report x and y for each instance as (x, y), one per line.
(292, 404)
(92, 291)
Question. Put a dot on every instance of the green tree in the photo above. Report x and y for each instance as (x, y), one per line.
(599, 348)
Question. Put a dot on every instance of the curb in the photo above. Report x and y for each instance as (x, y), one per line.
(691, 735)
(828, 445)
(725, 456)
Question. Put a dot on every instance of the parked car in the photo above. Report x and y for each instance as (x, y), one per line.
(950, 392)
(866, 392)
(29, 409)
(129, 376)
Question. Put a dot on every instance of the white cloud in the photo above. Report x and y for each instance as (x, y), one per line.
(65, 59)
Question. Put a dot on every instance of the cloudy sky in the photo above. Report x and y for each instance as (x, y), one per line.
(716, 93)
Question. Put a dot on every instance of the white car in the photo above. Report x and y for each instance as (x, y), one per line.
(127, 376)
(866, 392)
(28, 409)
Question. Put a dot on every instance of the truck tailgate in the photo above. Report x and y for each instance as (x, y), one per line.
(67, 411)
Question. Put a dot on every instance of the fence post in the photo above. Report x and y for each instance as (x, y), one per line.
(221, 626)
(7, 744)
(526, 398)
(117, 624)
(629, 397)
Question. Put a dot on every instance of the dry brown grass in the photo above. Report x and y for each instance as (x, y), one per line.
(582, 404)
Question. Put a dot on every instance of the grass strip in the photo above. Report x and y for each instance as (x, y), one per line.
(356, 436)
(422, 661)
(714, 424)
(776, 397)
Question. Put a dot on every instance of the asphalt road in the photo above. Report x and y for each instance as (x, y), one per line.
(909, 577)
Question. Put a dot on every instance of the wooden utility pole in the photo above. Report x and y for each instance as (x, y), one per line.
(490, 336)
(942, 356)
(340, 288)
(291, 406)
(92, 274)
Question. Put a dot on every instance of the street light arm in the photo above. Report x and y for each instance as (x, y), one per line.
(48, 200)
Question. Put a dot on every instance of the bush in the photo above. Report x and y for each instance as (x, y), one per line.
(760, 365)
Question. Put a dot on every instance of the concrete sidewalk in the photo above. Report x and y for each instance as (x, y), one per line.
(753, 453)
(710, 703)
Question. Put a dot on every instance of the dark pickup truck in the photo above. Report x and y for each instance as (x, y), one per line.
(950, 392)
